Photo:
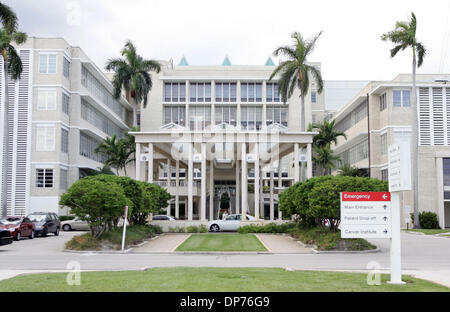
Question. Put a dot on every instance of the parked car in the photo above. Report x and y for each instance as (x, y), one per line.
(75, 224)
(230, 223)
(18, 227)
(163, 217)
(45, 222)
(5, 237)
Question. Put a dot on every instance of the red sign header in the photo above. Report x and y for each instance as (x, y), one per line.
(366, 196)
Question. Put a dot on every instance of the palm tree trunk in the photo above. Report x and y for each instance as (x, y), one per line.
(5, 140)
(303, 120)
(415, 143)
(135, 112)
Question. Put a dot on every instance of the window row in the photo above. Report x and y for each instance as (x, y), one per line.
(99, 91)
(359, 113)
(277, 115)
(45, 178)
(88, 146)
(99, 120)
(356, 153)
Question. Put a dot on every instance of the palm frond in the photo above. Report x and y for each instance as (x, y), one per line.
(285, 51)
(421, 52)
(317, 77)
(14, 63)
(8, 18)
(19, 37)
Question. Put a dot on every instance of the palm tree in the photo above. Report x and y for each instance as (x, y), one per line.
(295, 71)
(132, 74)
(327, 133)
(325, 159)
(404, 36)
(349, 171)
(12, 65)
(117, 151)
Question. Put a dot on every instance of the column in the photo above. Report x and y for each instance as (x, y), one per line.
(150, 163)
(271, 185)
(261, 187)
(177, 183)
(309, 161)
(257, 181)
(280, 183)
(440, 191)
(169, 179)
(238, 184)
(203, 185)
(190, 181)
(296, 160)
(138, 161)
(244, 182)
(211, 190)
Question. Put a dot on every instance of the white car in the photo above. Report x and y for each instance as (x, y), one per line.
(230, 223)
(75, 224)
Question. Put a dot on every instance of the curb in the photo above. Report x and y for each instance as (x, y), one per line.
(93, 252)
(346, 251)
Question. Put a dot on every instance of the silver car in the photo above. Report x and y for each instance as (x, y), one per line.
(75, 224)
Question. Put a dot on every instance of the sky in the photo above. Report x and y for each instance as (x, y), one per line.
(247, 31)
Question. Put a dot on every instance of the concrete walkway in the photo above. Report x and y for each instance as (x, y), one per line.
(277, 243)
(163, 243)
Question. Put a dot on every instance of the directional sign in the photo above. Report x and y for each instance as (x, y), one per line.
(399, 167)
(366, 215)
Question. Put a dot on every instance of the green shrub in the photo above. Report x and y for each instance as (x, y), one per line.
(267, 228)
(66, 218)
(428, 220)
(177, 229)
(197, 229)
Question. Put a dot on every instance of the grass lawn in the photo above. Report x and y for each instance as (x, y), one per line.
(222, 242)
(214, 279)
(430, 231)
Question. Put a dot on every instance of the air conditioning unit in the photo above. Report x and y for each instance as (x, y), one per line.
(250, 158)
(302, 158)
(197, 158)
(145, 157)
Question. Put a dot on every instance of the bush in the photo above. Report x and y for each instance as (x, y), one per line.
(197, 229)
(428, 220)
(177, 229)
(100, 203)
(267, 228)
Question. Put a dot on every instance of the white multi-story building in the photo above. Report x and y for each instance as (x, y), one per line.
(208, 130)
(60, 109)
(381, 114)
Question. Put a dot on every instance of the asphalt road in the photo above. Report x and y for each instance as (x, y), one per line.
(426, 253)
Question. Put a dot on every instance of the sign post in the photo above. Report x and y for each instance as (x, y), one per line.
(124, 227)
(399, 180)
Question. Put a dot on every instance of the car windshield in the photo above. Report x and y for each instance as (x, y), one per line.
(7, 221)
(37, 218)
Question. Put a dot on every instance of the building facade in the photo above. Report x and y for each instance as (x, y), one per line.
(59, 110)
(212, 132)
(381, 115)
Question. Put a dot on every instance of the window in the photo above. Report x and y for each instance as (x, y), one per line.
(383, 105)
(175, 92)
(98, 120)
(277, 114)
(88, 146)
(384, 175)
(66, 68)
(356, 153)
(65, 103)
(251, 92)
(63, 182)
(225, 92)
(47, 63)
(402, 98)
(313, 97)
(44, 178)
(175, 114)
(446, 169)
(200, 92)
(355, 116)
(226, 114)
(45, 138)
(199, 117)
(251, 117)
(46, 99)
(384, 144)
(64, 140)
(314, 118)
(272, 92)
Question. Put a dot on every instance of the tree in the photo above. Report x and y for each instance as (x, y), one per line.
(404, 36)
(155, 199)
(327, 133)
(325, 158)
(295, 71)
(132, 74)
(12, 64)
(118, 152)
(349, 171)
(99, 203)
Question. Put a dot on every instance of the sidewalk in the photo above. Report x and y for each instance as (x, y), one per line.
(163, 243)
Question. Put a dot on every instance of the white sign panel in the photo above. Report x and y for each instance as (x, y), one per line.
(400, 167)
(366, 215)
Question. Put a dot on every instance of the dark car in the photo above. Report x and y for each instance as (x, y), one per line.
(18, 227)
(45, 222)
(5, 237)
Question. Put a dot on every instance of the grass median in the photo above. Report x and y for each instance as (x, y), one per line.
(430, 231)
(214, 279)
(222, 242)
